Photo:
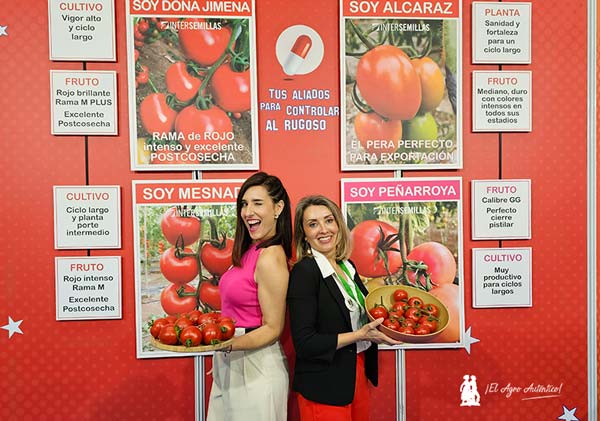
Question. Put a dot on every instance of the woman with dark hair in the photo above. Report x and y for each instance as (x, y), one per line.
(250, 379)
(336, 351)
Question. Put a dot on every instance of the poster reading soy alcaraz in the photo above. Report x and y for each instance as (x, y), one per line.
(183, 244)
(407, 249)
(192, 85)
(400, 84)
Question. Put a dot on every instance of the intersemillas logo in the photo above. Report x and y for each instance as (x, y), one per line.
(469, 395)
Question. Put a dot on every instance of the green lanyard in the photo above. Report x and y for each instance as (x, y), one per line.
(352, 292)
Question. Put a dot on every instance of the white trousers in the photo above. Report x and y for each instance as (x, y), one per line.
(249, 385)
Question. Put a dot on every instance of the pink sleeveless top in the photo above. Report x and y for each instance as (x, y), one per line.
(239, 291)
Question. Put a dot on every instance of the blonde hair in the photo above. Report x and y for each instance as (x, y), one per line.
(343, 246)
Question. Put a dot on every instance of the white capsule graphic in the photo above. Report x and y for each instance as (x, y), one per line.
(297, 55)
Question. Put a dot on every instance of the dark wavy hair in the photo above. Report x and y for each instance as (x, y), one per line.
(283, 227)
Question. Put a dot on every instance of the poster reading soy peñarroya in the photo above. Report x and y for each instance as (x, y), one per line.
(407, 249)
(183, 244)
(400, 84)
(192, 85)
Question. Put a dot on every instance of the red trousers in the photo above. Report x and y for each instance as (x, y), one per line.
(357, 410)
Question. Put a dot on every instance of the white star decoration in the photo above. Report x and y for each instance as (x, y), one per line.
(12, 327)
(469, 340)
(568, 414)
(3, 30)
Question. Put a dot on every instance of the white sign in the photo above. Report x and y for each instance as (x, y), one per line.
(87, 217)
(88, 288)
(83, 102)
(501, 209)
(82, 31)
(501, 101)
(501, 32)
(502, 277)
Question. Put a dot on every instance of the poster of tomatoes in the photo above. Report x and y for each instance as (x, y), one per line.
(400, 85)
(183, 243)
(407, 249)
(192, 85)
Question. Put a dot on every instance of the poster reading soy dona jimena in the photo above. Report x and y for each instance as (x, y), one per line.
(407, 249)
(192, 85)
(400, 85)
(183, 244)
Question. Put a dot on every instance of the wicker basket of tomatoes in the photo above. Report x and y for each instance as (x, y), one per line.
(192, 332)
(410, 314)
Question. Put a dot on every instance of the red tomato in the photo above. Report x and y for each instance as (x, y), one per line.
(207, 318)
(143, 76)
(422, 330)
(406, 329)
(190, 336)
(366, 238)
(203, 127)
(415, 302)
(378, 312)
(173, 304)
(180, 271)
(174, 226)
(211, 334)
(217, 260)
(156, 116)
(400, 295)
(194, 316)
(210, 295)
(204, 46)
(158, 325)
(183, 322)
(429, 322)
(180, 83)
(168, 335)
(395, 314)
(371, 127)
(431, 309)
(399, 306)
(389, 83)
(408, 323)
(432, 83)
(231, 90)
(448, 294)
(143, 26)
(413, 313)
(440, 262)
(391, 324)
(227, 329)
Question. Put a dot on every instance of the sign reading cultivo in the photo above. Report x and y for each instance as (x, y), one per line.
(407, 237)
(192, 85)
(183, 244)
(400, 85)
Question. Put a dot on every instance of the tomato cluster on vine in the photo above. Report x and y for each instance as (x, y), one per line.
(191, 329)
(182, 263)
(395, 94)
(206, 87)
(408, 315)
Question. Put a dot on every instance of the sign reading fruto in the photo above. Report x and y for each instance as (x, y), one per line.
(87, 217)
(83, 103)
(501, 32)
(88, 288)
(502, 277)
(502, 101)
(82, 30)
(501, 209)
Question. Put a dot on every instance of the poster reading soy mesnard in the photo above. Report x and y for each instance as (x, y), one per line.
(400, 85)
(192, 85)
(407, 249)
(183, 243)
